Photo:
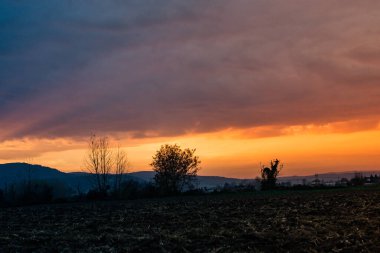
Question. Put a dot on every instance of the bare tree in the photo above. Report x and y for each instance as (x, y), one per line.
(121, 165)
(99, 161)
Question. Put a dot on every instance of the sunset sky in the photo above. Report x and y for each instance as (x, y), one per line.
(242, 81)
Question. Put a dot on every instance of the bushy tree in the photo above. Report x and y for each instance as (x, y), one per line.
(175, 168)
(269, 175)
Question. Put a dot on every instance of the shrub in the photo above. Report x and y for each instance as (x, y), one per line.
(175, 168)
(269, 175)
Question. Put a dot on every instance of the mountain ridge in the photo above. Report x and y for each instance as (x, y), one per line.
(19, 172)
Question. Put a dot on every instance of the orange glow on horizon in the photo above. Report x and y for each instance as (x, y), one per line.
(305, 150)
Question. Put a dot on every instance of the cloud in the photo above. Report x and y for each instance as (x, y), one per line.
(167, 68)
(26, 149)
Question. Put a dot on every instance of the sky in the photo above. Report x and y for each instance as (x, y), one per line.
(242, 81)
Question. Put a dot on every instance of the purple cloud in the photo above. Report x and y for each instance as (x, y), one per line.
(71, 68)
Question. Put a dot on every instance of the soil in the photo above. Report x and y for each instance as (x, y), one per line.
(309, 221)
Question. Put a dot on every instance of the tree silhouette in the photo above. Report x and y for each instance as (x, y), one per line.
(358, 179)
(175, 168)
(99, 161)
(120, 164)
(269, 175)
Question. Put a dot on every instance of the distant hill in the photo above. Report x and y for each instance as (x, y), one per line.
(325, 177)
(15, 173)
(80, 181)
(143, 175)
(12, 172)
(203, 181)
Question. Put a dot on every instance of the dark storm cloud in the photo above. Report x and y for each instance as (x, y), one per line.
(68, 68)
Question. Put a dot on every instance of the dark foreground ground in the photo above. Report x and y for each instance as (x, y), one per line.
(324, 221)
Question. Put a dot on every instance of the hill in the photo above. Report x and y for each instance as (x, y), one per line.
(325, 177)
(11, 173)
(202, 181)
(81, 181)
(15, 172)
